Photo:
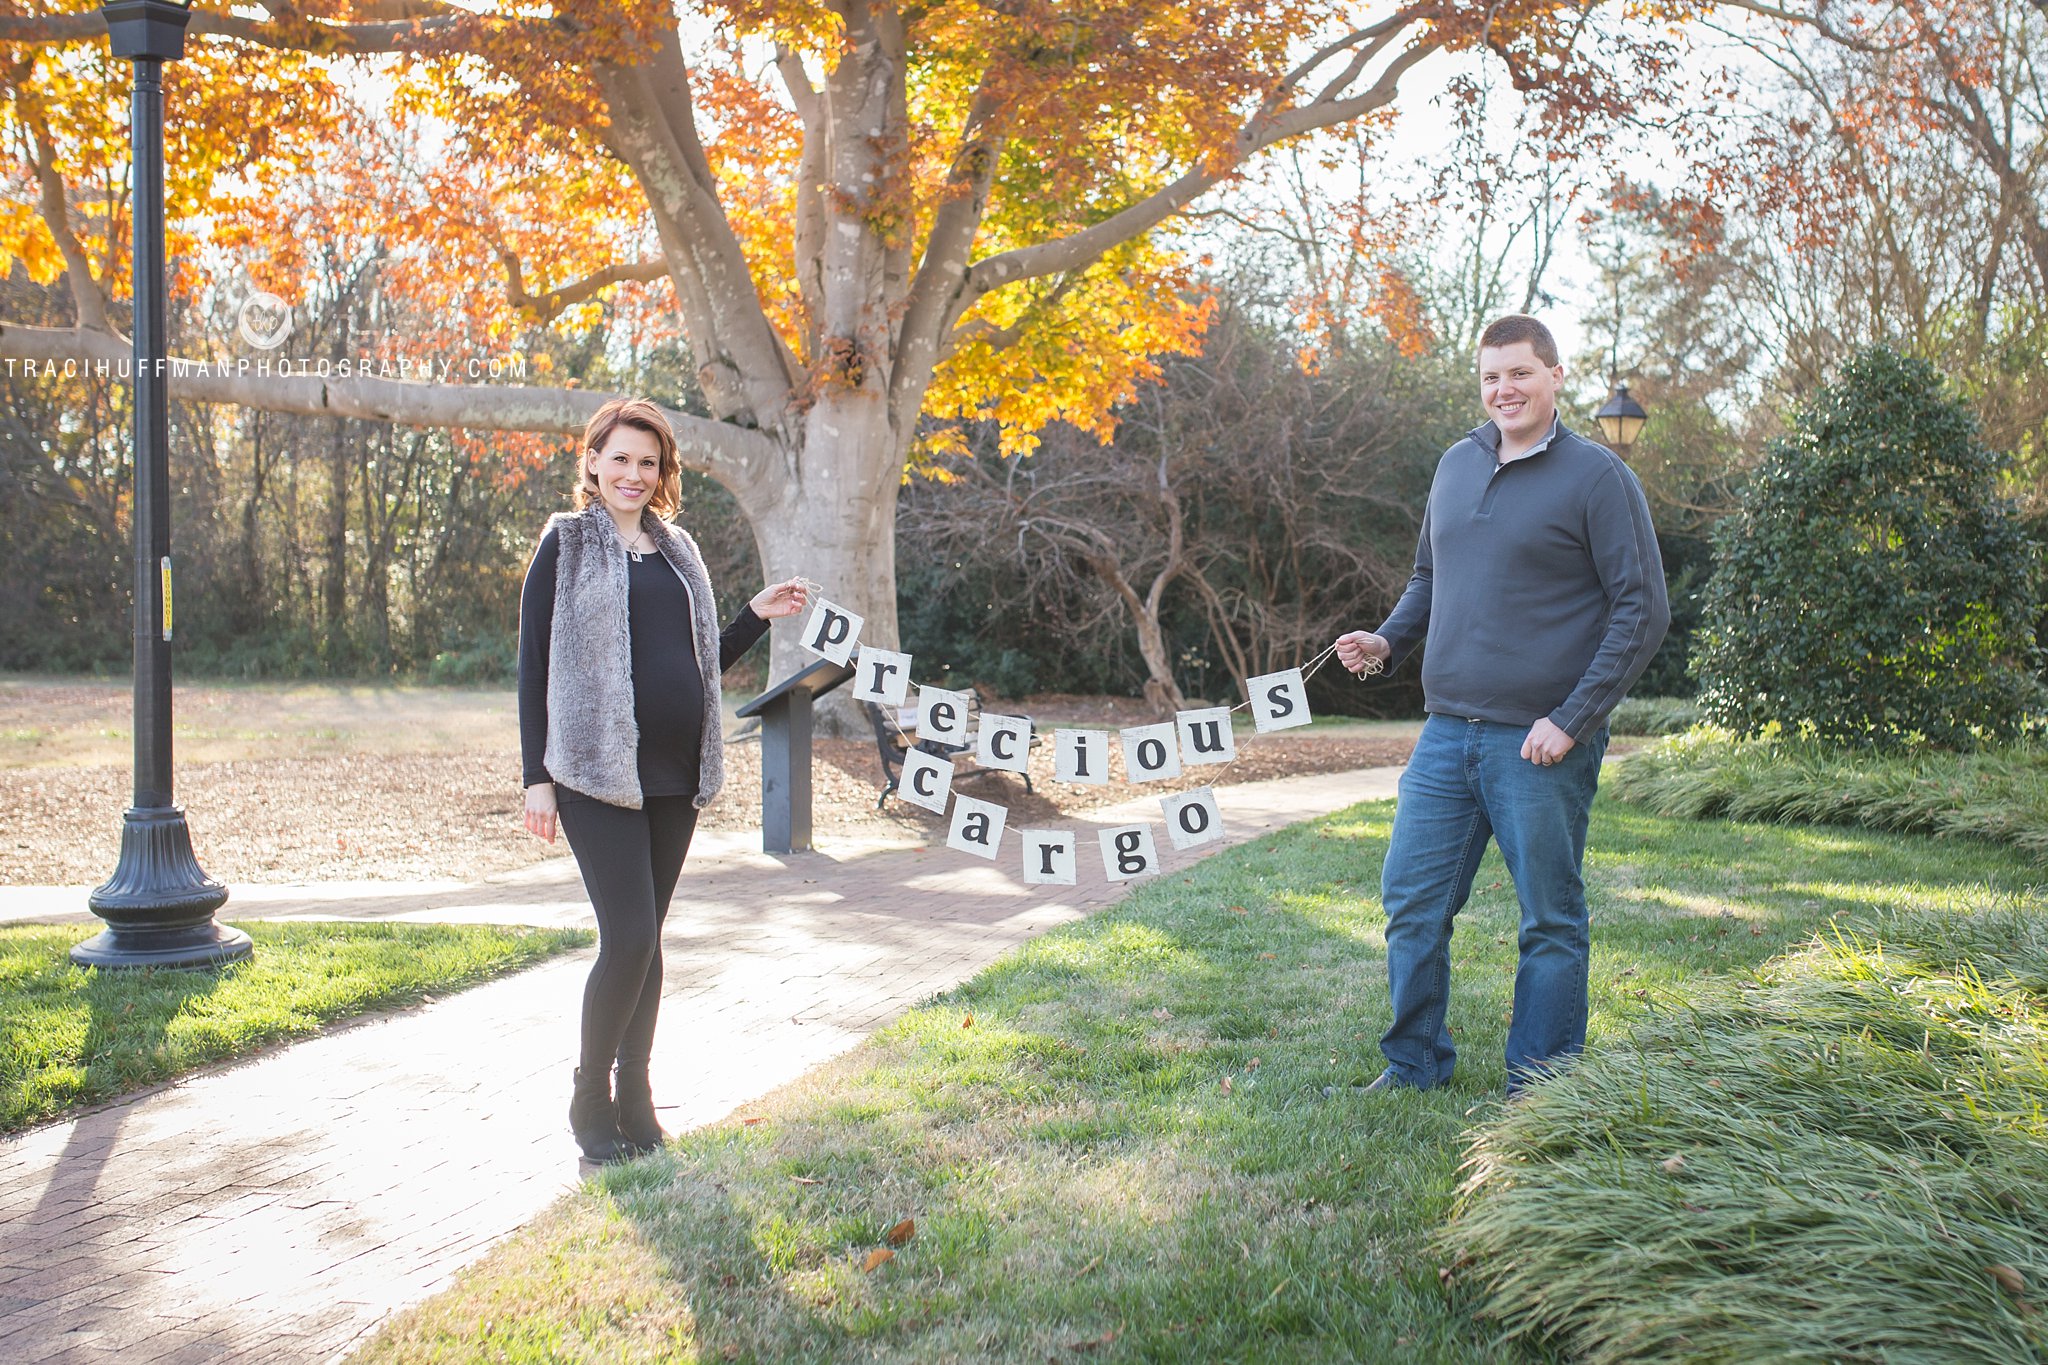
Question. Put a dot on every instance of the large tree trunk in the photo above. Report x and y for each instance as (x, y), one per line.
(248, 609)
(833, 520)
(334, 568)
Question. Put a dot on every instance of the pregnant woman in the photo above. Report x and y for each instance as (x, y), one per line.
(619, 728)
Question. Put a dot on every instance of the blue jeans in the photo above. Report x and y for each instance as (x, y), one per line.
(1467, 781)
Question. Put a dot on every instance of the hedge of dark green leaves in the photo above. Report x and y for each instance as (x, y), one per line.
(1873, 588)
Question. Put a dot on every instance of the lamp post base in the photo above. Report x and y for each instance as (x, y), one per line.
(158, 905)
(205, 945)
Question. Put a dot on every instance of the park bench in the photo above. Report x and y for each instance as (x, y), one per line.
(894, 737)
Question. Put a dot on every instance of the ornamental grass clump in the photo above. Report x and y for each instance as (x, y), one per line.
(1998, 793)
(1654, 716)
(1842, 1157)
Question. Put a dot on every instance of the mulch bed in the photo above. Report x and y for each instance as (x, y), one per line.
(457, 815)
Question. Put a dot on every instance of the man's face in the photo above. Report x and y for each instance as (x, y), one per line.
(1518, 390)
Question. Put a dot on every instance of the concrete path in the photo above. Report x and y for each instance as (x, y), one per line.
(278, 1209)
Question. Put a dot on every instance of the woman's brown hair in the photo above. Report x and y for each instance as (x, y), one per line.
(667, 498)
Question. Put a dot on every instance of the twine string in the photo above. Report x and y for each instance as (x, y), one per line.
(1372, 668)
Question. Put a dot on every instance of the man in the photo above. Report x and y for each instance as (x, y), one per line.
(1540, 594)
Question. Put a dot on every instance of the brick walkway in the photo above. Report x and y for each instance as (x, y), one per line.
(278, 1209)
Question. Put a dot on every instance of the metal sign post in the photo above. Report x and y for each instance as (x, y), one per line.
(785, 712)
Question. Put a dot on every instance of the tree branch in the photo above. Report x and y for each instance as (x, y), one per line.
(86, 294)
(745, 368)
(548, 306)
(802, 94)
(807, 230)
(299, 35)
(1080, 249)
(1374, 36)
(929, 306)
(735, 456)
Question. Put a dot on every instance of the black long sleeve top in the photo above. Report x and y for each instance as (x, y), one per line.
(668, 690)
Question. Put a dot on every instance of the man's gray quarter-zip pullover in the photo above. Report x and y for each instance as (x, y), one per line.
(1538, 587)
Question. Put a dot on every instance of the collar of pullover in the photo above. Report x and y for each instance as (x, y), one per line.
(1487, 434)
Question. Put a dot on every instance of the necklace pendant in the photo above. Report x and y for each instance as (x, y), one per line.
(635, 555)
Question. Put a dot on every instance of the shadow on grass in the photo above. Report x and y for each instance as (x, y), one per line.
(72, 1036)
(1115, 1142)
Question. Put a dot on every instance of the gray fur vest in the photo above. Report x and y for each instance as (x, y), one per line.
(593, 738)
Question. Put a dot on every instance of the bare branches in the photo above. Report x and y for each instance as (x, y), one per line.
(1274, 503)
(1816, 19)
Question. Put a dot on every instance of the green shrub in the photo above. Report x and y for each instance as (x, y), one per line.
(493, 659)
(1996, 793)
(1654, 716)
(1840, 1158)
(283, 652)
(1872, 587)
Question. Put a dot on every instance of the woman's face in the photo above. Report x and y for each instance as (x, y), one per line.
(628, 469)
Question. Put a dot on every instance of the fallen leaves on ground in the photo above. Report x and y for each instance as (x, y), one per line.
(428, 816)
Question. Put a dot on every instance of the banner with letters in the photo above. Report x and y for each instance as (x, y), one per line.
(1198, 738)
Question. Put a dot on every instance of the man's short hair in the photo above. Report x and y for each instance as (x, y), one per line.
(1521, 327)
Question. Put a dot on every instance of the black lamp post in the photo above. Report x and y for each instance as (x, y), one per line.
(1621, 418)
(158, 905)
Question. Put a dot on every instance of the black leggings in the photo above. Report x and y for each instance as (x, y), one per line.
(630, 860)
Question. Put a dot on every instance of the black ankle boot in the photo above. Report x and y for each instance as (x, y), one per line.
(637, 1124)
(594, 1121)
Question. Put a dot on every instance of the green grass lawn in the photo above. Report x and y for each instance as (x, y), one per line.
(70, 1036)
(1113, 1143)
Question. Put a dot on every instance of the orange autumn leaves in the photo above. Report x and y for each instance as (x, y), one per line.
(64, 113)
(473, 154)
(897, 1236)
(1100, 105)
(484, 158)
